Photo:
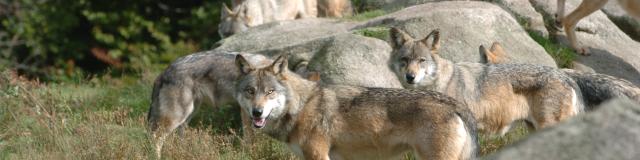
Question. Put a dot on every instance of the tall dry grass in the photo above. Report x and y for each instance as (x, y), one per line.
(104, 118)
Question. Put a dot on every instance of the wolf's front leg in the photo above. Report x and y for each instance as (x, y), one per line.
(316, 148)
(247, 131)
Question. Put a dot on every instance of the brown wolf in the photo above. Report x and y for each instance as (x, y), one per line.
(347, 122)
(586, 8)
(596, 88)
(497, 94)
(334, 8)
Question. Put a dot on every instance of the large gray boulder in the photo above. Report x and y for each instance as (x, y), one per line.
(610, 132)
(521, 9)
(466, 25)
(355, 60)
(524, 11)
(627, 23)
(342, 57)
(612, 51)
(328, 45)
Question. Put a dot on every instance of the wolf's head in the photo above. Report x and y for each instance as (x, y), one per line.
(260, 91)
(233, 21)
(413, 60)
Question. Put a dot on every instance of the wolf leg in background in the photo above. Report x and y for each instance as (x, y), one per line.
(596, 88)
(584, 9)
(346, 122)
(200, 77)
(334, 8)
(498, 95)
(251, 13)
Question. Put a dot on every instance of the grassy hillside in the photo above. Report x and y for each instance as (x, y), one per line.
(104, 118)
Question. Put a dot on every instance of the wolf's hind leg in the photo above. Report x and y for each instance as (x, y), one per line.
(170, 110)
(555, 102)
(569, 22)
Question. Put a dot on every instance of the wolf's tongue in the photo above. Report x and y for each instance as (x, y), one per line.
(259, 122)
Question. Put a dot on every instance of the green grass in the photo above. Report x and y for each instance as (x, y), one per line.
(561, 54)
(104, 118)
(366, 15)
(490, 144)
(374, 32)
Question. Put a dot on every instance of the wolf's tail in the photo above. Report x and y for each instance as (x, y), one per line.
(597, 88)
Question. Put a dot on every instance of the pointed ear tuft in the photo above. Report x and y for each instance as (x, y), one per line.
(243, 64)
(279, 66)
(398, 37)
(435, 43)
(497, 54)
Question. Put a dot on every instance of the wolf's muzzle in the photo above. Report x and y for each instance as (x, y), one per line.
(410, 78)
(256, 112)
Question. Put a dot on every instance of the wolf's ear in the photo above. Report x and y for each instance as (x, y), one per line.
(398, 37)
(435, 43)
(243, 64)
(496, 54)
(280, 64)
(225, 11)
(486, 53)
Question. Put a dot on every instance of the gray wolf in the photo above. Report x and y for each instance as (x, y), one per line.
(251, 13)
(201, 78)
(334, 8)
(320, 121)
(584, 9)
(596, 88)
(497, 94)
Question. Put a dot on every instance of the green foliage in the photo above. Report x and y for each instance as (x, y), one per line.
(381, 33)
(491, 143)
(367, 15)
(55, 35)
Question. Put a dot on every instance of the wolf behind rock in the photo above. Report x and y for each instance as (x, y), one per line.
(498, 94)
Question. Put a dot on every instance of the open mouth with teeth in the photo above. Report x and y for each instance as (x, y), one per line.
(259, 122)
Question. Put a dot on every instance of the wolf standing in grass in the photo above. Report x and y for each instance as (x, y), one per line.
(345, 122)
(498, 95)
(197, 78)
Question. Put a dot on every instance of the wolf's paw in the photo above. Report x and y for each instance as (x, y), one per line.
(585, 30)
(584, 51)
(557, 25)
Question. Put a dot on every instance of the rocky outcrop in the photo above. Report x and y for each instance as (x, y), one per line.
(464, 26)
(330, 48)
(625, 22)
(611, 132)
(612, 51)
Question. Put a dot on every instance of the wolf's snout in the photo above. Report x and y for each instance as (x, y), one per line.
(256, 112)
(410, 77)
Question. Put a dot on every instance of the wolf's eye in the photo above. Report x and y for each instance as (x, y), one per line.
(249, 91)
(423, 59)
(270, 91)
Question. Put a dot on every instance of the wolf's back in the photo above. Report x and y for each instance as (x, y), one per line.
(597, 88)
